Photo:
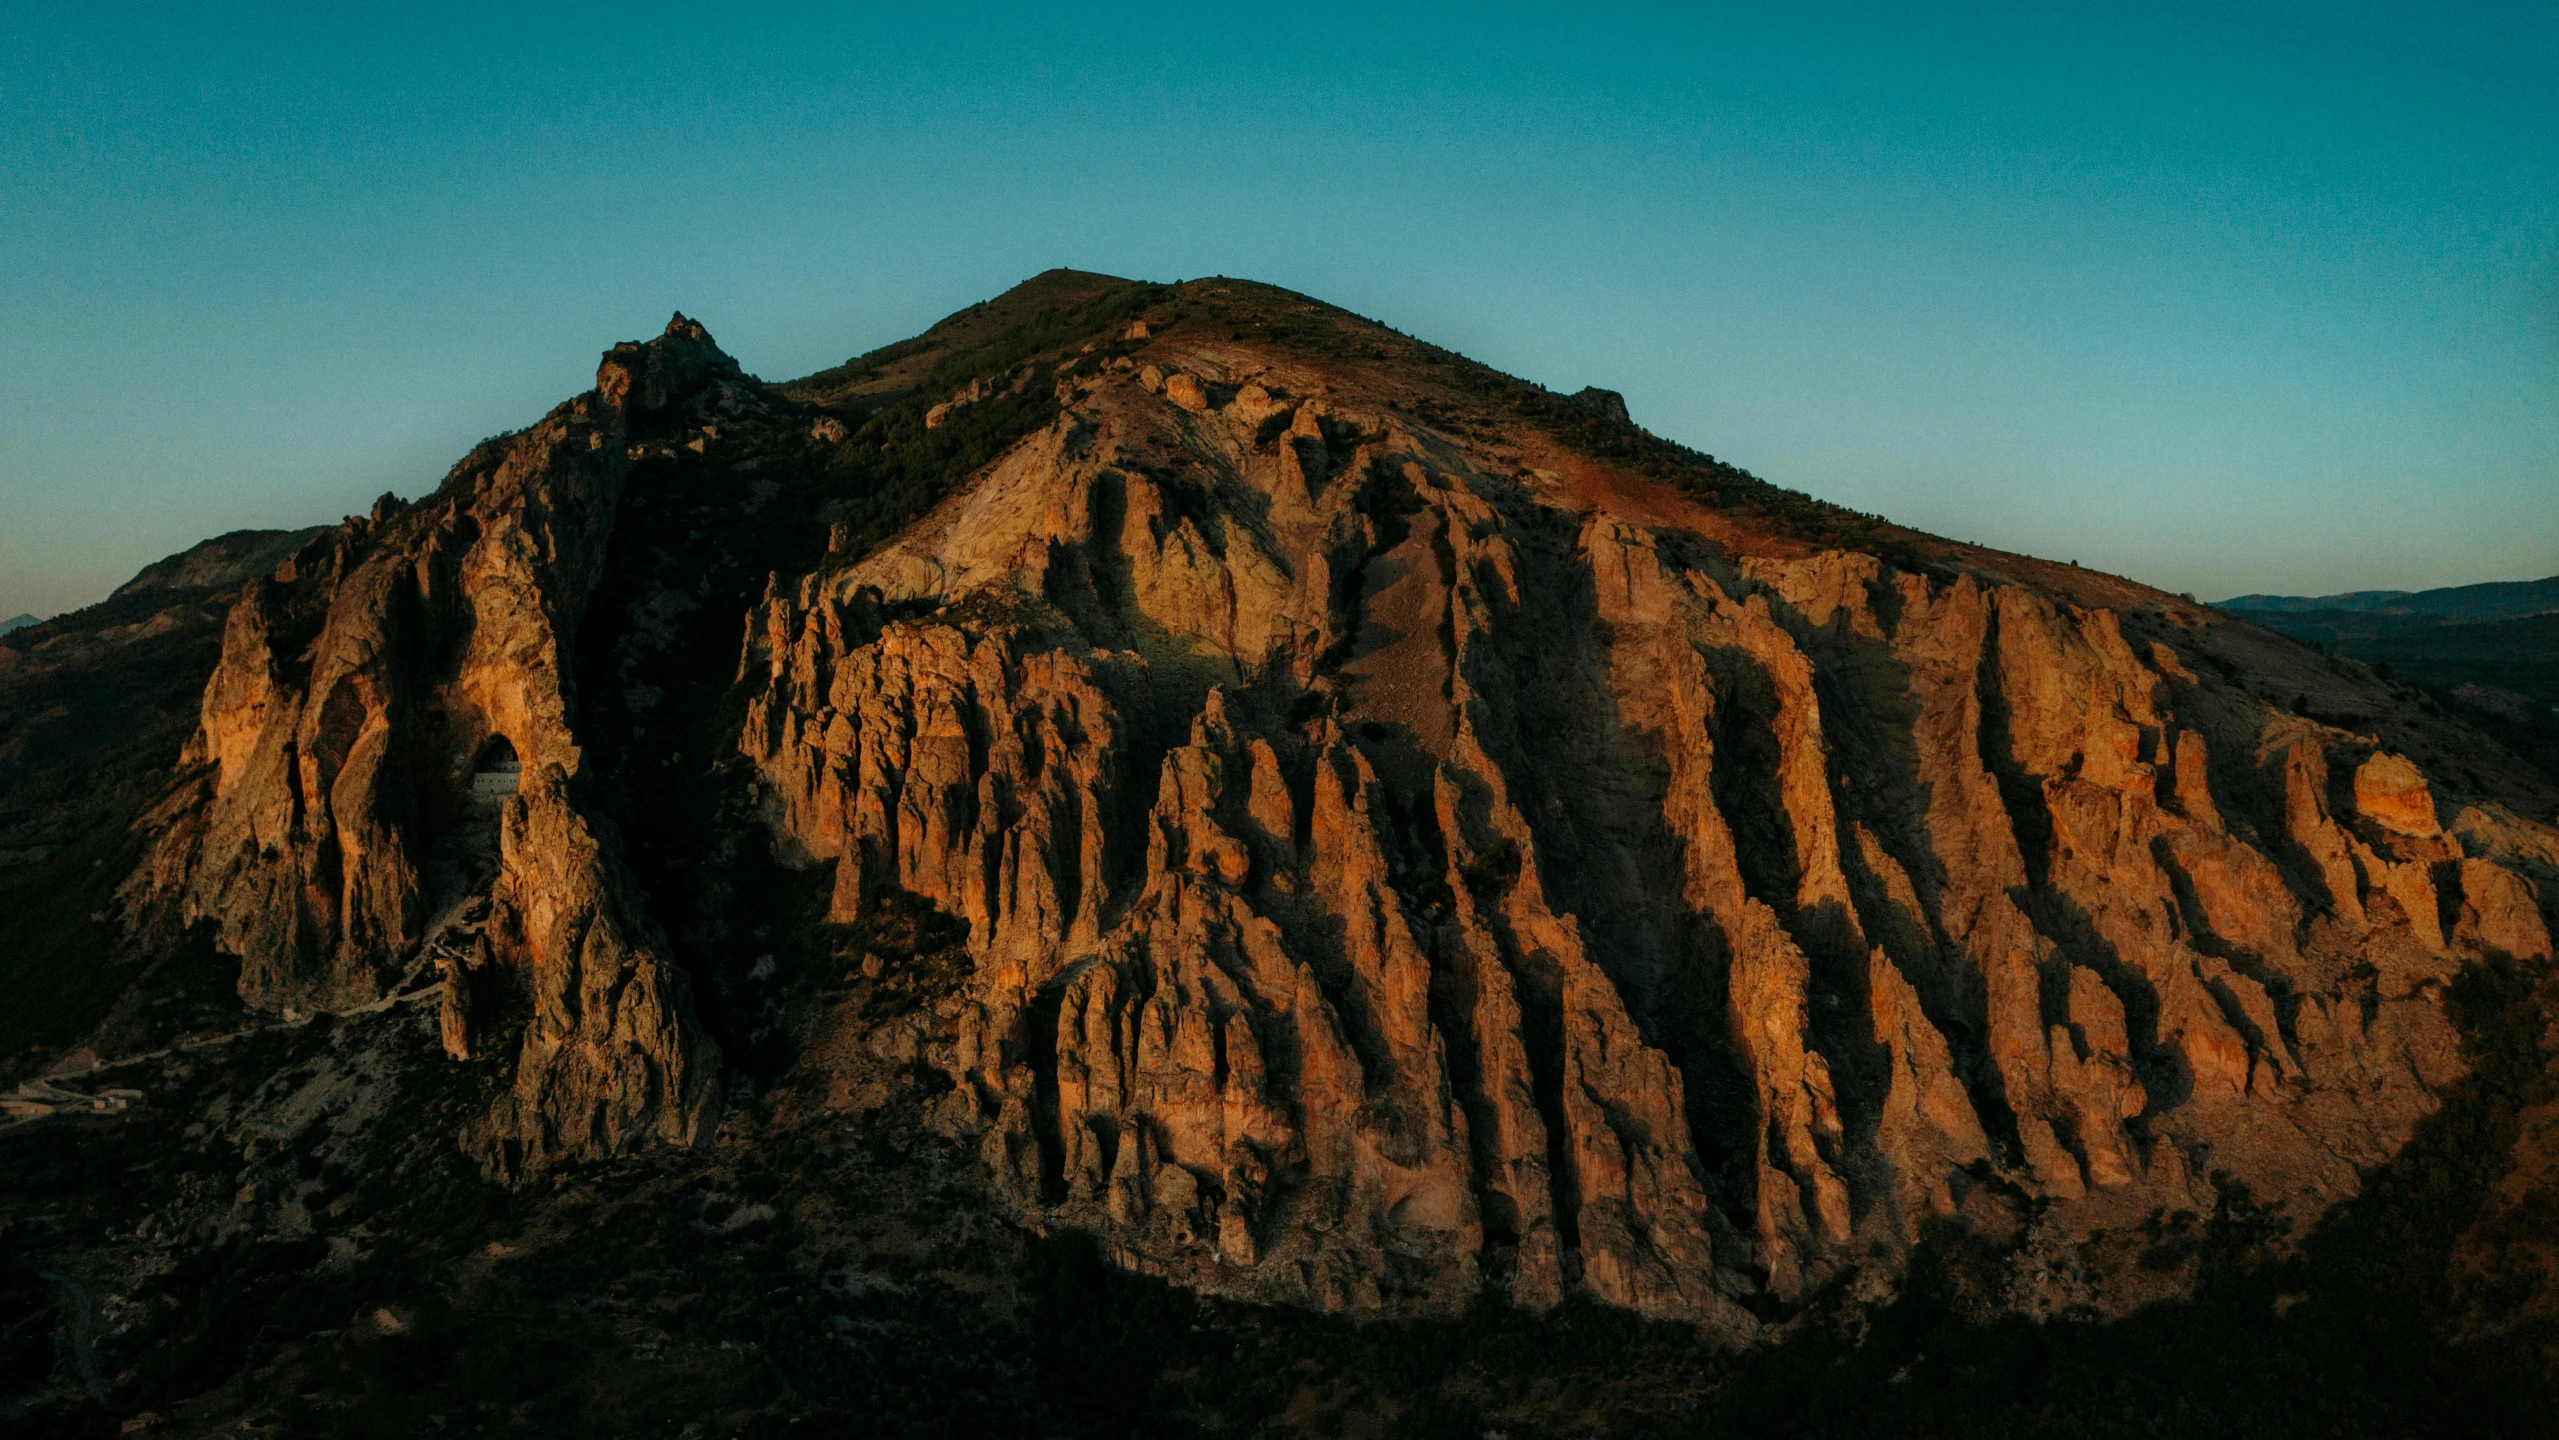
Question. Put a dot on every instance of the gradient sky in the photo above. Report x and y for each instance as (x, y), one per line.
(2224, 298)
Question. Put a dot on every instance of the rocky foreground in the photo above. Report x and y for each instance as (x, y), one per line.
(1314, 824)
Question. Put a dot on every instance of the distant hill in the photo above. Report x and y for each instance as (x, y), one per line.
(2489, 653)
(221, 562)
(2498, 600)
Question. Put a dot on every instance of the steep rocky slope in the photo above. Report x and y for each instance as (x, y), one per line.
(389, 685)
(1402, 857)
(1199, 774)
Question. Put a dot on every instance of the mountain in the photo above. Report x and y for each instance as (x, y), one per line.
(18, 622)
(2499, 600)
(1170, 859)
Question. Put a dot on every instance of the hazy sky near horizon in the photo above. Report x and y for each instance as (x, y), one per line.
(2225, 298)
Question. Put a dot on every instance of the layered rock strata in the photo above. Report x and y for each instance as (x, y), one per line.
(1398, 863)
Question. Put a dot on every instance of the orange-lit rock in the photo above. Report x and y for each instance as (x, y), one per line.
(1401, 857)
(2392, 793)
(358, 689)
(1435, 876)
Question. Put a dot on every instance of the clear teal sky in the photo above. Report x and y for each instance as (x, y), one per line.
(2227, 298)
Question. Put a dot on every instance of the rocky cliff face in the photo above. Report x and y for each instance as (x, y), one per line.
(1415, 837)
(368, 693)
(1403, 858)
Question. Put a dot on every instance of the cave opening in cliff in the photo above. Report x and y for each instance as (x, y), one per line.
(495, 775)
(464, 859)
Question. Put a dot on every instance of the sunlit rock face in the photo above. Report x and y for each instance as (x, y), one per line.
(387, 746)
(1403, 860)
(1407, 849)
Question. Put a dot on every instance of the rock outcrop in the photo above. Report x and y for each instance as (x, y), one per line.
(1399, 861)
(361, 688)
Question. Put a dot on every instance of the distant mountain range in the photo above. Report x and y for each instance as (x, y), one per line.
(2499, 600)
(2489, 653)
(18, 622)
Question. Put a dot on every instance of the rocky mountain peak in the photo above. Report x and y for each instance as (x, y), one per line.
(1335, 827)
(650, 375)
(1401, 852)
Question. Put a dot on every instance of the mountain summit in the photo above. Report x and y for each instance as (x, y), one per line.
(1320, 823)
